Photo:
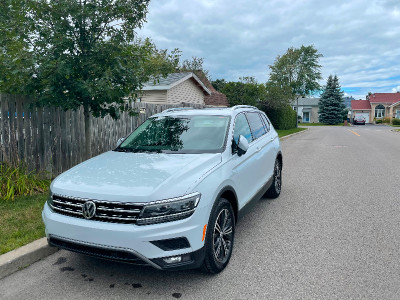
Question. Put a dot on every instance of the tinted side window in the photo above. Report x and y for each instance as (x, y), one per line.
(256, 125)
(266, 122)
(242, 128)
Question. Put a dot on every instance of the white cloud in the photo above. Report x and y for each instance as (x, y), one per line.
(396, 89)
(358, 38)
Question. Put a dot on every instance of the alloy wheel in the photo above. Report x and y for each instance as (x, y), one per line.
(278, 177)
(222, 236)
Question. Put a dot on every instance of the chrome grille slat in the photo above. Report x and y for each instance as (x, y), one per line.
(67, 203)
(136, 211)
(114, 212)
(66, 211)
(116, 218)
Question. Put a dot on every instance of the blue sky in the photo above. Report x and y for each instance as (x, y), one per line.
(360, 39)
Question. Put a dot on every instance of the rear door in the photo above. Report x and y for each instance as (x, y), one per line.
(264, 151)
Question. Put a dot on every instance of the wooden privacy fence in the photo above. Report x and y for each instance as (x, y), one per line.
(53, 140)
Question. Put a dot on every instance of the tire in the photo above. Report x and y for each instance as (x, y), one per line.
(275, 189)
(218, 247)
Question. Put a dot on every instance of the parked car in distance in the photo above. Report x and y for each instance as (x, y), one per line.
(359, 120)
(170, 194)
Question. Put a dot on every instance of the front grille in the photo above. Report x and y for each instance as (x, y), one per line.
(112, 254)
(106, 211)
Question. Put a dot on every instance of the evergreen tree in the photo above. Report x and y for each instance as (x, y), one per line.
(331, 104)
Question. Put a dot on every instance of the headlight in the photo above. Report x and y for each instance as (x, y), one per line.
(169, 210)
(50, 200)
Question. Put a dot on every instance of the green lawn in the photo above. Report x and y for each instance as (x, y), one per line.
(282, 133)
(21, 221)
(321, 124)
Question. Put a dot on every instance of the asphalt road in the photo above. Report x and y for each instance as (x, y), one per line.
(332, 234)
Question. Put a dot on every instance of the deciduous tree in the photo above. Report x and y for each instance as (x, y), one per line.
(247, 91)
(78, 53)
(298, 69)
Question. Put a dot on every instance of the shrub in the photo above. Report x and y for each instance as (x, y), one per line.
(378, 121)
(15, 181)
(282, 118)
(396, 121)
(386, 120)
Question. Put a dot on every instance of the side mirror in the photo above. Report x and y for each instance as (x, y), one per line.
(243, 145)
(119, 142)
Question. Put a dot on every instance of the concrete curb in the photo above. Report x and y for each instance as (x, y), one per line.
(22, 257)
(290, 135)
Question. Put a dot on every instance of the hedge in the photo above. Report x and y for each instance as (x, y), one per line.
(282, 118)
(396, 121)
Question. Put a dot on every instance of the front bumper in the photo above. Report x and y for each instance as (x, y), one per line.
(127, 242)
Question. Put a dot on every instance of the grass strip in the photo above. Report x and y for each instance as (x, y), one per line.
(283, 132)
(21, 221)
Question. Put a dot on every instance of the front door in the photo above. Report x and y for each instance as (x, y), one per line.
(306, 117)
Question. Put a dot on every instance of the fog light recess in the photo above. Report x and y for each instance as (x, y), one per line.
(177, 259)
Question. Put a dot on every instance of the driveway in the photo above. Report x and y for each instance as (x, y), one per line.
(333, 234)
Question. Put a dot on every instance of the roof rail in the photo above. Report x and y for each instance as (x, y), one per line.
(243, 106)
(177, 109)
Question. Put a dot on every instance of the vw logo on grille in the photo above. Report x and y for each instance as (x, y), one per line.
(89, 209)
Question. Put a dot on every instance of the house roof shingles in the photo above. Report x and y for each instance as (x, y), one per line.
(306, 102)
(360, 105)
(172, 79)
(166, 81)
(384, 97)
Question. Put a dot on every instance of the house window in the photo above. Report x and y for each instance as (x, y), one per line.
(398, 114)
(379, 111)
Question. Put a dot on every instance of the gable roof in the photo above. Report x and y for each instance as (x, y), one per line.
(384, 97)
(173, 79)
(307, 102)
(395, 104)
(360, 105)
(216, 98)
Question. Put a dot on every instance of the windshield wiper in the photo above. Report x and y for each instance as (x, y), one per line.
(122, 150)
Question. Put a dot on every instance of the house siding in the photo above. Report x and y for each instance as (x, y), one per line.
(156, 97)
(187, 92)
(314, 115)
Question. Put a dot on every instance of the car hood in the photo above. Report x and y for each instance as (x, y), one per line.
(135, 177)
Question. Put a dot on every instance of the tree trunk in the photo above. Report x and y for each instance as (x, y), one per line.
(88, 141)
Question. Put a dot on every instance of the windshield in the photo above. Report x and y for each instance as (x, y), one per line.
(179, 134)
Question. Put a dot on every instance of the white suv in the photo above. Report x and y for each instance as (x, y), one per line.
(171, 193)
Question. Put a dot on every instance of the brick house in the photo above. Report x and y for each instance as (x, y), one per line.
(385, 105)
(378, 105)
(361, 108)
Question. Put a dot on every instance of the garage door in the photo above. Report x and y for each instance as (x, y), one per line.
(365, 115)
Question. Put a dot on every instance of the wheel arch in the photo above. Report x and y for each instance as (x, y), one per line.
(280, 158)
(228, 193)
